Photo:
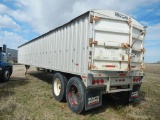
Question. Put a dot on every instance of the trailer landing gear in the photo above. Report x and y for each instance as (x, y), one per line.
(27, 67)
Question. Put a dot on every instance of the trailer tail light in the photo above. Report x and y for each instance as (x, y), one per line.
(110, 66)
(137, 79)
(102, 81)
(97, 81)
(93, 82)
(122, 74)
(133, 66)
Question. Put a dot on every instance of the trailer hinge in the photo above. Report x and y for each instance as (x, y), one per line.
(129, 22)
(128, 68)
(91, 66)
(143, 33)
(142, 67)
(143, 50)
(125, 45)
(94, 18)
(91, 42)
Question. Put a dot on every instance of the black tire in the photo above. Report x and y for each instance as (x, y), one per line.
(59, 87)
(75, 95)
(6, 75)
(121, 98)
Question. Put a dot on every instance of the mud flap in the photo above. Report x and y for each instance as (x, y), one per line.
(134, 94)
(93, 98)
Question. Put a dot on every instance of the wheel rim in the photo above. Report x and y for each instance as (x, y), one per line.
(73, 95)
(57, 87)
(6, 75)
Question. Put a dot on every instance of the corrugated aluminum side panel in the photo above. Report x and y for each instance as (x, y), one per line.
(64, 49)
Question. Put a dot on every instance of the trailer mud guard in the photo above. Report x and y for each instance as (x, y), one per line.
(93, 98)
(134, 94)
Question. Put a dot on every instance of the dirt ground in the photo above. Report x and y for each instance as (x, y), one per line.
(30, 98)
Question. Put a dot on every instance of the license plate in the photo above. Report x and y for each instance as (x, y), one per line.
(134, 94)
(93, 100)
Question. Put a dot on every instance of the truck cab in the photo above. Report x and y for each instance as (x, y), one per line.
(6, 68)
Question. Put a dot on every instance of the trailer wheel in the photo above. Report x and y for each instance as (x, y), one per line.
(6, 75)
(119, 98)
(59, 87)
(75, 95)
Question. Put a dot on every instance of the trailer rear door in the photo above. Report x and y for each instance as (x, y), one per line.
(117, 44)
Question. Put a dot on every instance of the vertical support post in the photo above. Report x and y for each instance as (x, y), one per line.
(27, 67)
(142, 55)
(93, 39)
(130, 43)
(45, 71)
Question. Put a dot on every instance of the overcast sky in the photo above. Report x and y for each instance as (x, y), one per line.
(23, 20)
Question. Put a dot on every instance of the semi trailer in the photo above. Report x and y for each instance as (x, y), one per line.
(6, 68)
(99, 52)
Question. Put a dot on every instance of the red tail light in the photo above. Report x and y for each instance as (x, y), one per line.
(102, 81)
(121, 74)
(136, 79)
(93, 82)
(133, 66)
(97, 81)
(110, 66)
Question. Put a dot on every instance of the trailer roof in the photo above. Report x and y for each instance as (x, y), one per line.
(86, 13)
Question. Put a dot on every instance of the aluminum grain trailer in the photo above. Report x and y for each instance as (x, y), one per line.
(98, 52)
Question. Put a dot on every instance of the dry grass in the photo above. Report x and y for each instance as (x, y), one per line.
(31, 99)
(152, 68)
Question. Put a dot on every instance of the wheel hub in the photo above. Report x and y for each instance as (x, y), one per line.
(57, 87)
(73, 95)
(6, 75)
